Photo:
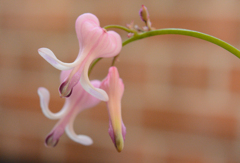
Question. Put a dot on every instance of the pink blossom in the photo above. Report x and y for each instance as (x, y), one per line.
(114, 87)
(94, 42)
(77, 102)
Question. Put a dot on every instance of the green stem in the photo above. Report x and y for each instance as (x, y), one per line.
(179, 31)
(186, 32)
(92, 65)
(121, 27)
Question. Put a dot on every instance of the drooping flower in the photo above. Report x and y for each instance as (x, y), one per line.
(94, 42)
(114, 87)
(78, 101)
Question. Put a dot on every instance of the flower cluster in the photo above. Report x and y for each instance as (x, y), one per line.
(80, 93)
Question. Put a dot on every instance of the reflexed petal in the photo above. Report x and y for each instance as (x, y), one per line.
(82, 139)
(49, 56)
(44, 102)
(96, 92)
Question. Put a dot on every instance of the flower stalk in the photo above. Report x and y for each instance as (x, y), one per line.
(177, 31)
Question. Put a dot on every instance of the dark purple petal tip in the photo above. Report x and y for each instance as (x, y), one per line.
(50, 141)
(64, 90)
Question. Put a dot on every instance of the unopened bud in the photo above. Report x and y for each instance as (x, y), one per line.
(143, 12)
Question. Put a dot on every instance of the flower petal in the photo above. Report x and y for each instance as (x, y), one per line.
(86, 26)
(86, 84)
(82, 139)
(111, 46)
(49, 56)
(44, 101)
(114, 86)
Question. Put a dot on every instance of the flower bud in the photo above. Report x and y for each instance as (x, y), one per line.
(143, 12)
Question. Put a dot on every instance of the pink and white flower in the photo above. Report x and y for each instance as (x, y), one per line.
(77, 102)
(94, 42)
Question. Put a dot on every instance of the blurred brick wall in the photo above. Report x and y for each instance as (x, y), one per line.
(182, 96)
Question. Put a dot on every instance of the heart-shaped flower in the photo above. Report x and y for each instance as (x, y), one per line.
(94, 42)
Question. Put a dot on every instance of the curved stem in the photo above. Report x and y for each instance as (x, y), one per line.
(180, 31)
(186, 32)
(92, 65)
(121, 27)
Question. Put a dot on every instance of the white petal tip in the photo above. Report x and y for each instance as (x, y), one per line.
(85, 140)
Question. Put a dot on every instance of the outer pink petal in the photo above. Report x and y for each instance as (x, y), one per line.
(82, 139)
(44, 101)
(49, 56)
(86, 26)
(110, 45)
(94, 91)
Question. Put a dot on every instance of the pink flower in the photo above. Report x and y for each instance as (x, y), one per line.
(114, 87)
(94, 42)
(78, 101)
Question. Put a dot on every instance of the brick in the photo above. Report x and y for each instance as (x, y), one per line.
(99, 112)
(179, 159)
(189, 76)
(28, 103)
(96, 154)
(235, 80)
(134, 96)
(35, 7)
(132, 72)
(29, 63)
(188, 8)
(27, 149)
(213, 126)
(30, 22)
(190, 100)
(131, 116)
(139, 52)
(114, 8)
(100, 70)
(223, 29)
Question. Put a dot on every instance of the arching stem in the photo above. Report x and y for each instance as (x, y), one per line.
(177, 31)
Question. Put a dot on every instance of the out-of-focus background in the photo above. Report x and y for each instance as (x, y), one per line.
(182, 95)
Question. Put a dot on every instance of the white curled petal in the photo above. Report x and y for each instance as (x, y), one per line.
(44, 101)
(86, 84)
(82, 139)
(49, 56)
